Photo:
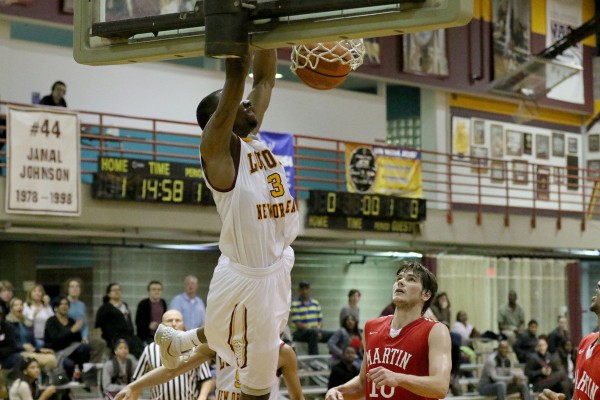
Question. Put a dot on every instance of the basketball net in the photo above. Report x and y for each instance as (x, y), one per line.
(349, 52)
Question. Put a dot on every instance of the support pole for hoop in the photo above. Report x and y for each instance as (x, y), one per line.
(226, 23)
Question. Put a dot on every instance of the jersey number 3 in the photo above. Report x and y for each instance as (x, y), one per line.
(275, 182)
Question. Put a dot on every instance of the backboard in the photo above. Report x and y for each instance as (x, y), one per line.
(105, 34)
(533, 79)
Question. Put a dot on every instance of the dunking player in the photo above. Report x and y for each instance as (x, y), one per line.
(249, 295)
(407, 356)
(587, 366)
(227, 381)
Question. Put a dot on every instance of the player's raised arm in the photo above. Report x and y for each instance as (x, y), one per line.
(217, 135)
(264, 69)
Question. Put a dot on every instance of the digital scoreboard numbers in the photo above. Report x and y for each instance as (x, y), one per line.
(150, 181)
(373, 212)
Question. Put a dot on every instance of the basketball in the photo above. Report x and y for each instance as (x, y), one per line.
(327, 65)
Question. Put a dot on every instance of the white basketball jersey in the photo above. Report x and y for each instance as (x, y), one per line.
(259, 215)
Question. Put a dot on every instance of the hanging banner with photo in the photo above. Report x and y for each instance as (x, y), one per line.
(511, 35)
(282, 147)
(384, 170)
(43, 162)
(561, 17)
(425, 53)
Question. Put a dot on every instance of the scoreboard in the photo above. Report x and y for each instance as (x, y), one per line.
(150, 181)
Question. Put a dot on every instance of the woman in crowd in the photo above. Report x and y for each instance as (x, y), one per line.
(441, 308)
(352, 307)
(36, 311)
(78, 311)
(565, 356)
(25, 386)
(114, 318)
(63, 335)
(347, 335)
(26, 343)
(543, 374)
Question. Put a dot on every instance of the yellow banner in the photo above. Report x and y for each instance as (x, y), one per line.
(385, 170)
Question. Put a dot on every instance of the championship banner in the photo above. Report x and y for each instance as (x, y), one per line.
(282, 147)
(43, 161)
(384, 170)
(561, 17)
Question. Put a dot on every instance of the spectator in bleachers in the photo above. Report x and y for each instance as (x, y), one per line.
(186, 385)
(558, 335)
(118, 371)
(23, 334)
(441, 309)
(344, 370)
(347, 335)
(526, 342)
(9, 352)
(63, 335)
(57, 97)
(114, 319)
(78, 311)
(189, 304)
(499, 377)
(6, 295)
(543, 373)
(25, 386)
(307, 317)
(463, 328)
(352, 307)
(149, 312)
(566, 356)
(511, 318)
(36, 311)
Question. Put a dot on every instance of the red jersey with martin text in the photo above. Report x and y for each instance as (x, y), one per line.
(587, 372)
(407, 353)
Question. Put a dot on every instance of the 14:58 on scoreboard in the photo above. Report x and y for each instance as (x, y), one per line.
(150, 181)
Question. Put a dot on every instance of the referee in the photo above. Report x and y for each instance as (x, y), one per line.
(183, 387)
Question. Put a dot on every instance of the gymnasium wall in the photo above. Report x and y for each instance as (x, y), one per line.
(170, 91)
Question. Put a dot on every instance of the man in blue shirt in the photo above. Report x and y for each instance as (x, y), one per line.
(189, 304)
(306, 315)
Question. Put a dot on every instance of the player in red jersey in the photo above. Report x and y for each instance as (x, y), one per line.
(407, 356)
(587, 366)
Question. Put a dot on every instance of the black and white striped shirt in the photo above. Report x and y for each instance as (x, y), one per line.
(183, 387)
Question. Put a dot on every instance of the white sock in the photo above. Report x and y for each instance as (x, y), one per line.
(189, 340)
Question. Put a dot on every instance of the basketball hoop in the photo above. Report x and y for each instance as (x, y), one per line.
(348, 52)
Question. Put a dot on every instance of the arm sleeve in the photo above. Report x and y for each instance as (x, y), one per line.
(533, 369)
(333, 342)
(492, 372)
(100, 318)
(85, 329)
(175, 304)
(21, 390)
(107, 373)
(294, 313)
(141, 320)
